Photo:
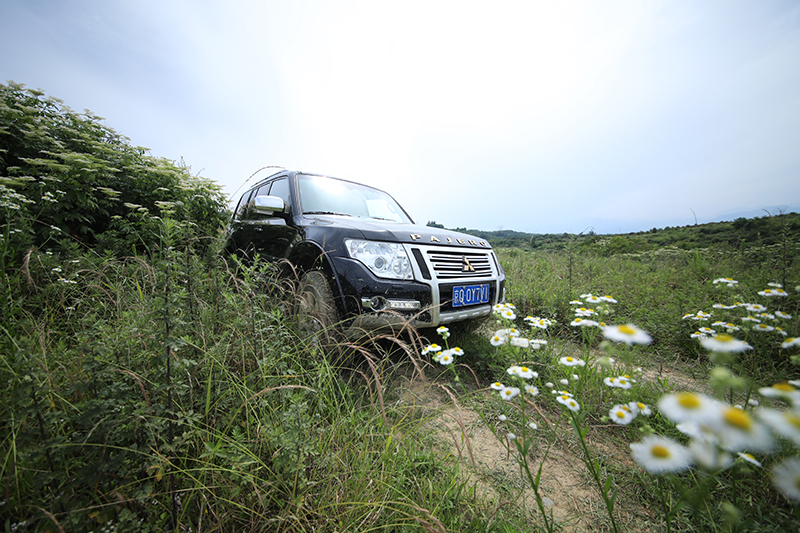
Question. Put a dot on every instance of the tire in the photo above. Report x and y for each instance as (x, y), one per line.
(315, 310)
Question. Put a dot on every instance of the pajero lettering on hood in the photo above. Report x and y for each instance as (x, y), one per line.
(379, 268)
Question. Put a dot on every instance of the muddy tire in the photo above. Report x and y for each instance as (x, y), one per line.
(314, 309)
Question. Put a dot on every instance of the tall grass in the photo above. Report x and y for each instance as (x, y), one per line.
(171, 392)
(655, 289)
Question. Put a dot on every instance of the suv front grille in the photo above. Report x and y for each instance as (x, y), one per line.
(457, 265)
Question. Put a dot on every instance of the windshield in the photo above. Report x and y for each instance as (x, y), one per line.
(328, 196)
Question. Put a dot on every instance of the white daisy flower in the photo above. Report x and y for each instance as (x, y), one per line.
(532, 425)
(689, 407)
(530, 389)
(660, 455)
(749, 458)
(520, 342)
(763, 327)
(783, 391)
(724, 343)
(571, 361)
(629, 334)
(727, 281)
(773, 292)
(509, 393)
(497, 386)
(564, 382)
(784, 423)
(583, 322)
(621, 414)
(791, 341)
(781, 314)
(502, 418)
(431, 348)
(525, 373)
(497, 340)
(640, 408)
(608, 299)
(508, 314)
(786, 476)
(709, 455)
(568, 402)
(738, 431)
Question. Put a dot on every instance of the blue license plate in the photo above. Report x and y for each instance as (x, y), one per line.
(464, 295)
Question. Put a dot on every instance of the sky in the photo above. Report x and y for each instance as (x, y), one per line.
(536, 116)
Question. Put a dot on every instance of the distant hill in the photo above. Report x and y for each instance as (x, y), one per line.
(762, 230)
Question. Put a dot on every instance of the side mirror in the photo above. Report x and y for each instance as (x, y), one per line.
(269, 206)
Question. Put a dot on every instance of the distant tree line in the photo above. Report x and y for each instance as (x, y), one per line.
(766, 230)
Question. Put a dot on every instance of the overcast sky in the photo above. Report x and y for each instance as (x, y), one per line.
(537, 116)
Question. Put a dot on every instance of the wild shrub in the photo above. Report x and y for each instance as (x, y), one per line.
(83, 181)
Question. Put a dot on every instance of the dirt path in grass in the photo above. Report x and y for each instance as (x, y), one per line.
(568, 491)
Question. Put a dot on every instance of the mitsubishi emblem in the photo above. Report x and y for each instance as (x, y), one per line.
(466, 266)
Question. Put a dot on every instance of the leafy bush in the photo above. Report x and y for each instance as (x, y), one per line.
(80, 180)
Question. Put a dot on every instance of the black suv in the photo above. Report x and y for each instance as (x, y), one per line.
(361, 259)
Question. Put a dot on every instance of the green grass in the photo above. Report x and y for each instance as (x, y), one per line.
(169, 389)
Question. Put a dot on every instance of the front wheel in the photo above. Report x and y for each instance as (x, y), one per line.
(314, 309)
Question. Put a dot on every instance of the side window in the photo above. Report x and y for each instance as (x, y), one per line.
(241, 208)
(280, 188)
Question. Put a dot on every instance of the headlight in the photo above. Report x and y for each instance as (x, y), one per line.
(384, 259)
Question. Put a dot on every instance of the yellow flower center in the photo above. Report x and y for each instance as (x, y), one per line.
(793, 419)
(523, 369)
(659, 451)
(620, 414)
(687, 400)
(724, 337)
(570, 359)
(627, 330)
(785, 387)
(738, 418)
(565, 397)
(640, 405)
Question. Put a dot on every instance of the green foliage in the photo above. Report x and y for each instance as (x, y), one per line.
(742, 232)
(85, 182)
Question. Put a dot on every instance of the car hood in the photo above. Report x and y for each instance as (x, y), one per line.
(382, 230)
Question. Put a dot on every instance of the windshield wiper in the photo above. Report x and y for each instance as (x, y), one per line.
(326, 213)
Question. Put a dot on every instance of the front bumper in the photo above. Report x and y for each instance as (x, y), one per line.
(371, 303)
